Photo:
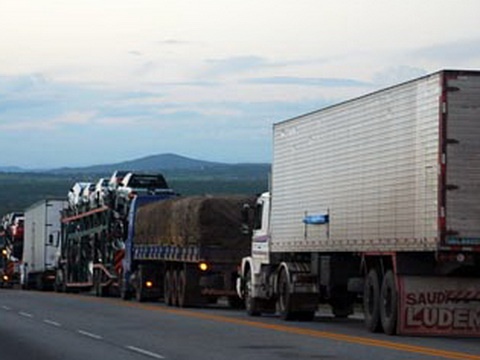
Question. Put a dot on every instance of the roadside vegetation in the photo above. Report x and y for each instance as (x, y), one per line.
(20, 190)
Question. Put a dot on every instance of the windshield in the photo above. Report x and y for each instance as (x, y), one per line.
(148, 182)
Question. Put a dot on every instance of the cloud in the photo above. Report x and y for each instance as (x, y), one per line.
(397, 74)
(234, 65)
(174, 42)
(458, 51)
(68, 119)
(324, 82)
(201, 83)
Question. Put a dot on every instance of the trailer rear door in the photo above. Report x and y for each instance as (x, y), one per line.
(462, 197)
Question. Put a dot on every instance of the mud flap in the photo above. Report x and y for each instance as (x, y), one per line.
(439, 306)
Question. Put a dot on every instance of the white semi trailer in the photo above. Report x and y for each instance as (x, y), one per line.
(41, 243)
(375, 198)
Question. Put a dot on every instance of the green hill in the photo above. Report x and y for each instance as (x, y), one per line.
(18, 190)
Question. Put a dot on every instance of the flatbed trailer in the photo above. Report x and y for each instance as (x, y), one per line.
(189, 272)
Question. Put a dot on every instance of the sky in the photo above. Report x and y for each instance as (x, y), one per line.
(102, 81)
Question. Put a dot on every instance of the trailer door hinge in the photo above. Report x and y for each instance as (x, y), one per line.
(451, 187)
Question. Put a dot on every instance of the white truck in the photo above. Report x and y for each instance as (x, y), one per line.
(41, 244)
(375, 199)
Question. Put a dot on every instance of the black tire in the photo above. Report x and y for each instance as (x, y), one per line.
(174, 288)
(59, 284)
(342, 302)
(188, 288)
(97, 283)
(125, 291)
(284, 297)
(235, 302)
(39, 284)
(305, 315)
(182, 289)
(139, 290)
(125, 294)
(342, 312)
(251, 304)
(371, 301)
(100, 291)
(389, 304)
(167, 288)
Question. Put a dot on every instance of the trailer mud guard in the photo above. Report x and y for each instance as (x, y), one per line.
(437, 306)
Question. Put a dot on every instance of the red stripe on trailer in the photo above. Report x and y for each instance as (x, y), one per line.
(82, 215)
(442, 160)
(119, 256)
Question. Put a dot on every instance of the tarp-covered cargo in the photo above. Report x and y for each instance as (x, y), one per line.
(197, 220)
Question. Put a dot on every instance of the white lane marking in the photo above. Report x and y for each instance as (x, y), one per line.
(24, 314)
(6, 308)
(90, 335)
(51, 322)
(145, 352)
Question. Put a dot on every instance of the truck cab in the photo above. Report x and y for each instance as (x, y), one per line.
(261, 228)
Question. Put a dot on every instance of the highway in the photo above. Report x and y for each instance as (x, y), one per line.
(51, 326)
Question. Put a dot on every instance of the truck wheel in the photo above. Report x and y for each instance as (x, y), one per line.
(187, 288)
(342, 312)
(182, 289)
(342, 302)
(305, 315)
(167, 288)
(284, 297)
(97, 283)
(59, 284)
(39, 285)
(389, 303)
(139, 294)
(174, 290)
(235, 302)
(139, 291)
(100, 291)
(371, 301)
(125, 293)
(125, 290)
(251, 304)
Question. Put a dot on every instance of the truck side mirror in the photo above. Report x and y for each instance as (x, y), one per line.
(245, 214)
(50, 239)
(59, 239)
(246, 219)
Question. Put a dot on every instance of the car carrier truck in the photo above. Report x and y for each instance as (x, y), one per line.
(11, 247)
(185, 250)
(41, 244)
(93, 248)
(376, 198)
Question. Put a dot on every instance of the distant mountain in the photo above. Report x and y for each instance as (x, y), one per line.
(11, 169)
(170, 163)
(185, 175)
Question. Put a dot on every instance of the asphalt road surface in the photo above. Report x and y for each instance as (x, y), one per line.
(50, 326)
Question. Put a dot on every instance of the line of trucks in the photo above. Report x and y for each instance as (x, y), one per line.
(160, 245)
(374, 201)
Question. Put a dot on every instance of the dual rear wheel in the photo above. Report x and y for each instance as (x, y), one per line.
(380, 302)
(181, 287)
